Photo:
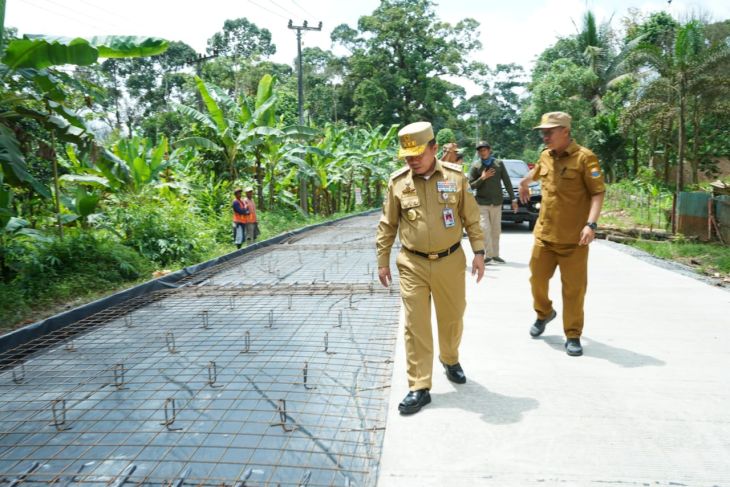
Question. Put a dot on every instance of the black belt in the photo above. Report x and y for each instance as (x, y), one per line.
(435, 256)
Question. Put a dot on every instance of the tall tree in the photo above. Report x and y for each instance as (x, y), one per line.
(400, 56)
(141, 88)
(241, 39)
(240, 45)
(690, 74)
(495, 114)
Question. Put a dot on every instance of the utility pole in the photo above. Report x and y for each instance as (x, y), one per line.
(2, 22)
(477, 128)
(299, 28)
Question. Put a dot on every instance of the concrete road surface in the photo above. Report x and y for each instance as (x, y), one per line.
(647, 404)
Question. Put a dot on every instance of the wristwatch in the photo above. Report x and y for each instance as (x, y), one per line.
(478, 252)
(592, 225)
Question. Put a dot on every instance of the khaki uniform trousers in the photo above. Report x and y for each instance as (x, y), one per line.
(420, 279)
(491, 219)
(573, 262)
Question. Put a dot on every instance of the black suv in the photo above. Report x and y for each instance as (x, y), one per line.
(525, 213)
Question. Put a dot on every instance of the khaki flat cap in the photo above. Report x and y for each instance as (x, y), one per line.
(414, 138)
(554, 119)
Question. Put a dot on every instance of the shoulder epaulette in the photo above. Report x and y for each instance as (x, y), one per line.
(586, 151)
(400, 171)
(452, 166)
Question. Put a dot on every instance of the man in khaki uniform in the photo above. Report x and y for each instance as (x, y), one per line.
(572, 196)
(428, 205)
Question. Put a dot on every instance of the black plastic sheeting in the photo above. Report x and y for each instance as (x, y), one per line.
(38, 329)
(268, 366)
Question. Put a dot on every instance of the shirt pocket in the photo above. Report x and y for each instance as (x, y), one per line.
(570, 171)
(409, 208)
(571, 180)
(408, 203)
(546, 182)
(450, 198)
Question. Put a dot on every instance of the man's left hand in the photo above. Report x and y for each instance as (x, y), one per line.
(477, 266)
(514, 206)
(587, 235)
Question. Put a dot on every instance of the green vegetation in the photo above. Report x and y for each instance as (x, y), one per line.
(53, 275)
(118, 155)
(638, 203)
(712, 259)
(643, 207)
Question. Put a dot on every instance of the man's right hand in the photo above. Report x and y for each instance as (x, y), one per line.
(487, 173)
(524, 192)
(384, 276)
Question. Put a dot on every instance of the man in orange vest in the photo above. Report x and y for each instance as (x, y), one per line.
(252, 224)
(240, 217)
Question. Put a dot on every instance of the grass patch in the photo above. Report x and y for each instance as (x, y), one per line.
(630, 207)
(642, 205)
(712, 259)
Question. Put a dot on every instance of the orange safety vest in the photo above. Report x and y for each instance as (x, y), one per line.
(238, 218)
(251, 217)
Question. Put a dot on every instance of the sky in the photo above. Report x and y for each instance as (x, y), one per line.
(512, 31)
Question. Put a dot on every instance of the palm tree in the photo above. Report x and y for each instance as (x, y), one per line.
(599, 55)
(687, 72)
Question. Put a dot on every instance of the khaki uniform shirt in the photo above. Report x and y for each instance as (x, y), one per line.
(414, 208)
(569, 180)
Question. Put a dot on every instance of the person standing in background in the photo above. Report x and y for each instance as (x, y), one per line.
(486, 177)
(252, 223)
(240, 215)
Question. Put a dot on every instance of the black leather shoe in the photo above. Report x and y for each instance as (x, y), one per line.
(573, 347)
(414, 401)
(539, 325)
(498, 259)
(455, 373)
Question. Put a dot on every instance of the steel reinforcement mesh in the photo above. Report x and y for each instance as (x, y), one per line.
(271, 369)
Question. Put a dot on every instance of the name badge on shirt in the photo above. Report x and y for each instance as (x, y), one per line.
(448, 215)
(446, 186)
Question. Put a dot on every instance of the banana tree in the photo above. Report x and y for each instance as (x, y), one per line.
(237, 129)
(33, 90)
(145, 161)
(372, 161)
(82, 204)
(327, 159)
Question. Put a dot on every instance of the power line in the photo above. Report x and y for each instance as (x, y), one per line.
(306, 12)
(115, 14)
(45, 9)
(264, 8)
(96, 20)
(286, 11)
